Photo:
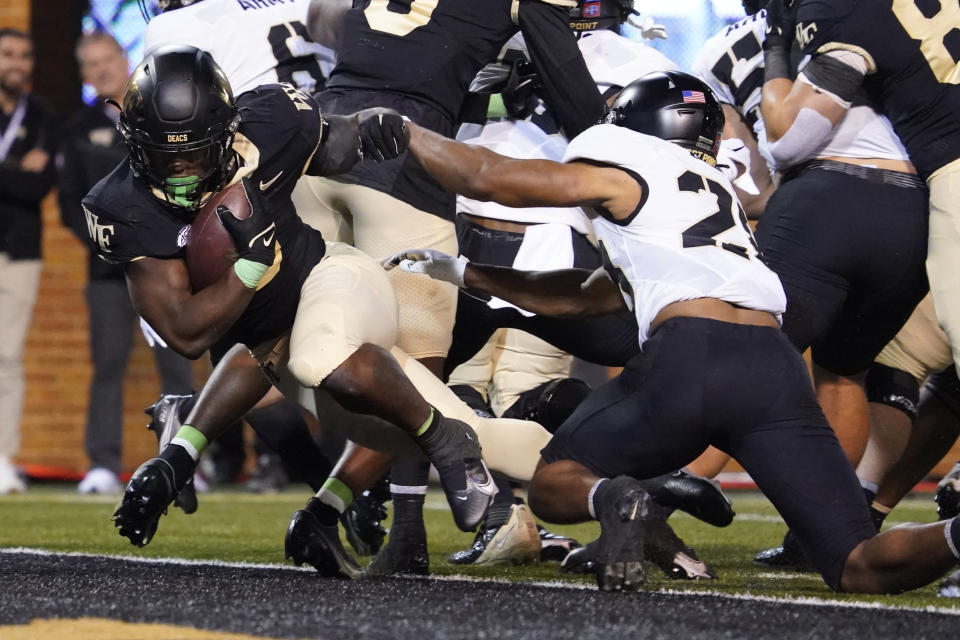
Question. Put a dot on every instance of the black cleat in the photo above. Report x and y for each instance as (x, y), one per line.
(950, 587)
(789, 556)
(948, 494)
(146, 498)
(700, 497)
(268, 476)
(310, 541)
(466, 481)
(362, 523)
(666, 550)
(402, 555)
(616, 557)
(555, 547)
(514, 542)
(165, 422)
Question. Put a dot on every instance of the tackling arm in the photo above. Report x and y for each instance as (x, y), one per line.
(565, 292)
(481, 174)
(799, 116)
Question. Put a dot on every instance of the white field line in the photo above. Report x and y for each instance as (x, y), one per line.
(805, 601)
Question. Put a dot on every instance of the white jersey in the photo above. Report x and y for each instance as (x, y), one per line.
(688, 238)
(254, 42)
(612, 60)
(731, 64)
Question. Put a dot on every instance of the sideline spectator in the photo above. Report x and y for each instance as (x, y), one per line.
(26, 174)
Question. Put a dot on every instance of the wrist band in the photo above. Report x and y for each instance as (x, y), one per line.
(776, 63)
(249, 272)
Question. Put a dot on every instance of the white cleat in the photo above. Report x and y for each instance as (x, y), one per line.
(10, 479)
(100, 481)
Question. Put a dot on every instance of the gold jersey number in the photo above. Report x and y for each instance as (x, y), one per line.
(935, 28)
(399, 24)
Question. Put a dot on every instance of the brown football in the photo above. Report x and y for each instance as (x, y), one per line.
(210, 251)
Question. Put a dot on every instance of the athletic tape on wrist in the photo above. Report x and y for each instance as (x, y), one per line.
(249, 272)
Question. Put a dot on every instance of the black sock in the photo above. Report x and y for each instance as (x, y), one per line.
(282, 428)
(442, 441)
(407, 517)
(408, 488)
(878, 517)
(499, 510)
(180, 461)
(447, 445)
(326, 514)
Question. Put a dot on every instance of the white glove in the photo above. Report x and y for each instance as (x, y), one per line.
(649, 30)
(435, 264)
(732, 155)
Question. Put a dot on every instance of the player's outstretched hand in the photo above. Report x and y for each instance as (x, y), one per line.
(383, 133)
(435, 264)
(649, 28)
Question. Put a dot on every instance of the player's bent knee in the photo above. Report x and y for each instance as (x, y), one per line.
(323, 358)
(894, 388)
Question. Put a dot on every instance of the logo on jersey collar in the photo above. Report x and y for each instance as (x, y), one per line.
(591, 9)
(183, 236)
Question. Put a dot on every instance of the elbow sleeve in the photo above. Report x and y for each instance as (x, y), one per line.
(340, 149)
(807, 135)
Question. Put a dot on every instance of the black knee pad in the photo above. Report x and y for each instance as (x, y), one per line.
(550, 403)
(946, 386)
(893, 387)
(473, 399)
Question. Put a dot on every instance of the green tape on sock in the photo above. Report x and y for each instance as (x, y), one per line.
(336, 494)
(194, 437)
(426, 425)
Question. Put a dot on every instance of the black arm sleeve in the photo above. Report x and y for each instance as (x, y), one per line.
(569, 91)
(340, 149)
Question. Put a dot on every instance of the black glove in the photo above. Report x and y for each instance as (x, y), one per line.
(255, 237)
(520, 93)
(781, 20)
(383, 133)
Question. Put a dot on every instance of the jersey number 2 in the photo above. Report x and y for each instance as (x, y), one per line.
(399, 17)
(728, 214)
(296, 62)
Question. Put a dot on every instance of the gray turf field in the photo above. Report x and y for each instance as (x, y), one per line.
(284, 602)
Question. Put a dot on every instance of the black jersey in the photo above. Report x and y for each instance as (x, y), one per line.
(279, 132)
(427, 49)
(912, 51)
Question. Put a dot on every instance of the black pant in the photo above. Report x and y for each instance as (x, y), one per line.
(744, 390)
(113, 323)
(849, 244)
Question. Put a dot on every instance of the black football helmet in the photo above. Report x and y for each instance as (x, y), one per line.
(673, 106)
(178, 120)
(599, 15)
(752, 6)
